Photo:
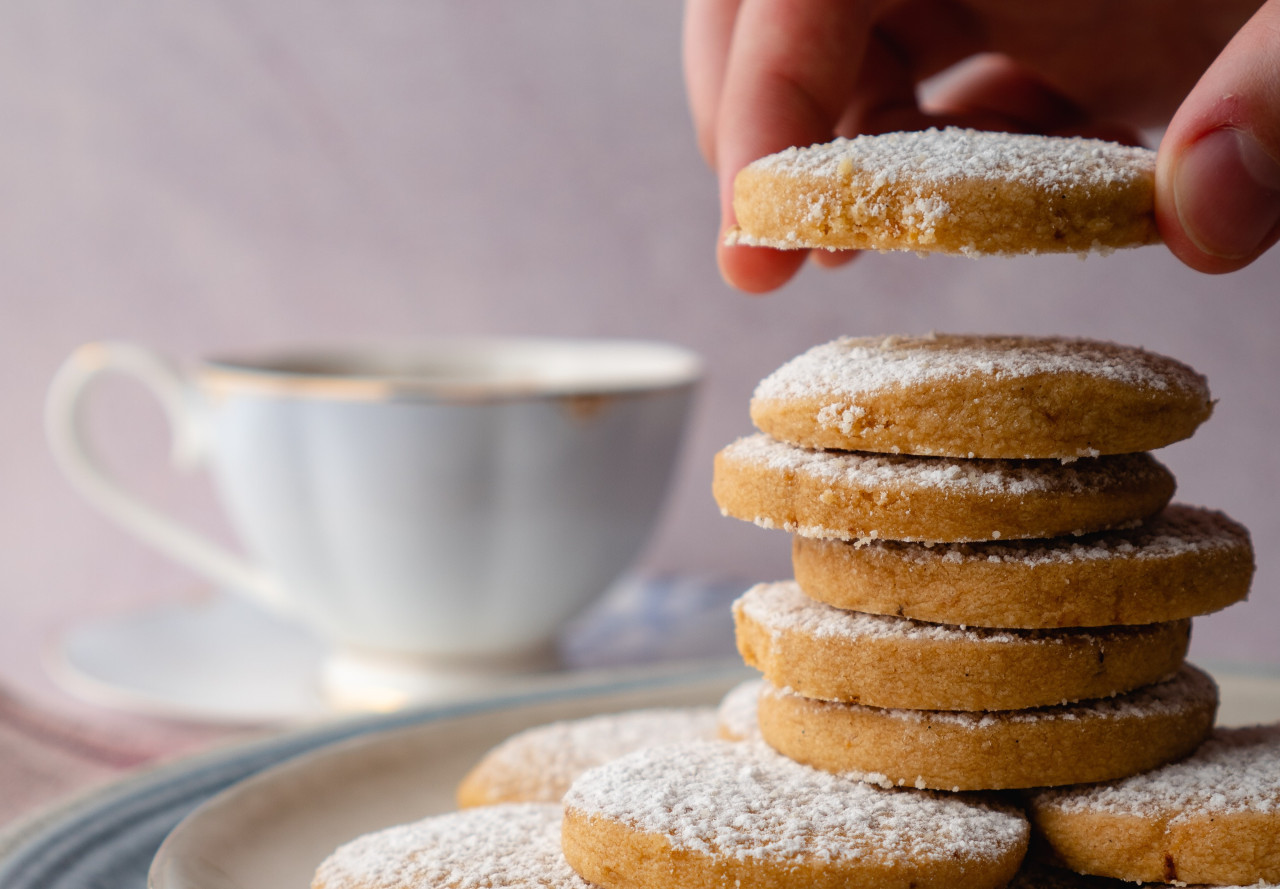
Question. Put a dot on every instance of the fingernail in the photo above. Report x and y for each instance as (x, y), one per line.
(1226, 189)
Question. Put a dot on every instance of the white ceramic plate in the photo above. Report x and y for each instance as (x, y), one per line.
(270, 831)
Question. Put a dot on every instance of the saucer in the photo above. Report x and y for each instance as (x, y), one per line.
(221, 659)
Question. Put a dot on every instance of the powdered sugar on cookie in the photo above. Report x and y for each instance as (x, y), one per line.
(541, 762)
(1188, 691)
(746, 802)
(737, 715)
(880, 471)
(1180, 530)
(1235, 770)
(850, 367)
(496, 847)
(951, 155)
(974, 396)
(783, 607)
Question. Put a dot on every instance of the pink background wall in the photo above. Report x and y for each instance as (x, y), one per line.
(204, 177)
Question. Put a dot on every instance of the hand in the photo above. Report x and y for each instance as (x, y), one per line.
(766, 74)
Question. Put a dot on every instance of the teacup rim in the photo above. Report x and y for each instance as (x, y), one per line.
(283, 371)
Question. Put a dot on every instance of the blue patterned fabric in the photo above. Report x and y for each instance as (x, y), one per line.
(655, 620)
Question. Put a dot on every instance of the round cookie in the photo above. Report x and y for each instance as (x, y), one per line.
(981, 396)
(1184, 562)
(1211, 818)
(882, 661)
(718, 814)
(946, 750)
(950, 191)
(855, 496)
(539, 764)
(511, 846)
(736, 717)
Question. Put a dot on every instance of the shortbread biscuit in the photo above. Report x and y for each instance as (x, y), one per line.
(981, 396)
(1211, 818)
(736, 717)
(948, 750)
(539, 764)
(950, 191)
(715, 814)
(856, 496)
(883, 661)
(512, 846)
(1184, 562)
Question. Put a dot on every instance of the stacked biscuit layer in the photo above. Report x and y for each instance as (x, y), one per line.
(991, 589)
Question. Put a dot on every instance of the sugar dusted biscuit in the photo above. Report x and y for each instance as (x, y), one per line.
(736, 718)
(512, 846)
(855, 496)
(882, 661)
(539, 764)
(947, 750)
(719, 814)
(981, 396)
(1184, 562)
(950, 191)
(1211, 818)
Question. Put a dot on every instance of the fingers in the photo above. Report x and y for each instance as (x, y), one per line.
(708, 31)
(792, 69)
(1218, 172)
(886, 96)
(833, 259)
(994, 92)
(1004, 95)
(931, 35)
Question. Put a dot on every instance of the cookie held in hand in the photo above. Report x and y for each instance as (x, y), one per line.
(953, 191)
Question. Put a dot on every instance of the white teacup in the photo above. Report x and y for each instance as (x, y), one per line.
(453, 503)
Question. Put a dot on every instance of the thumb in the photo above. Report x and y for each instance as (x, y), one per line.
(1218, 171)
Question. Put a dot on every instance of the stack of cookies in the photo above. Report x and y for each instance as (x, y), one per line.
(991, 591)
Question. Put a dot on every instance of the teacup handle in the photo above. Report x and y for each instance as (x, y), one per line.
(75, 457)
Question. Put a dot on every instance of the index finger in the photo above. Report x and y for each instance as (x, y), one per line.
(708, 30)
(791, 71)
